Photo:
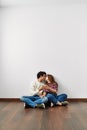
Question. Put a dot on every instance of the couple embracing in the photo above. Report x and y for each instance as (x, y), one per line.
(43, 92)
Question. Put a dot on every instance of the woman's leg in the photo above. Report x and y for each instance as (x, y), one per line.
(62, 97)
(62, 100)
(52, 98)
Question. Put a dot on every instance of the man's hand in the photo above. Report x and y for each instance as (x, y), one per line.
(41, 88)
(44, 87)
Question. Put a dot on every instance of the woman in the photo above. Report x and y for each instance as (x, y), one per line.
(50, 91)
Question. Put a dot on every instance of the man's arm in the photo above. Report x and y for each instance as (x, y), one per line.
(33, 90)
(42, 88)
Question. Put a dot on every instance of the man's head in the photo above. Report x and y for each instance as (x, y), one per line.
(41, 76)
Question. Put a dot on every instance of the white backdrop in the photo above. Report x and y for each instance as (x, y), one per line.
(49, 37)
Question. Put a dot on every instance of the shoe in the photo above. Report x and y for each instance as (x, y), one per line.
(26, 106)
(65, 103)
(47, 104)
(52, 104)
(41, 106)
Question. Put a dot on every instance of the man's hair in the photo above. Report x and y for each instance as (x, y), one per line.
(41, 73)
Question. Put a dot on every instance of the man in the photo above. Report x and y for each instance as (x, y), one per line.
(34, 94)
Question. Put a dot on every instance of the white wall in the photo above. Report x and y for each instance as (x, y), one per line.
(49, 37)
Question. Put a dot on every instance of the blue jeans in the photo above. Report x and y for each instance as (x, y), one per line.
(62, 97)
(52, 98)
(55, 98)
(33, 100)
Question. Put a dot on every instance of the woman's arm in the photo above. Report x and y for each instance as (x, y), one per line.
(46, 87)
(52, 90)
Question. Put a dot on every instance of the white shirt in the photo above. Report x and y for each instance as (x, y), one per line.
(34, 87)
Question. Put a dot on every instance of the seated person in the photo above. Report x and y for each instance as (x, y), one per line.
(34, 91)
(50, 91)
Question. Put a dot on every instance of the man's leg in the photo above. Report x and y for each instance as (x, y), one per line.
(41, 100)
(29, 100)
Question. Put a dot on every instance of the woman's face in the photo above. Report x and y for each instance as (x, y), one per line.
(48, 81)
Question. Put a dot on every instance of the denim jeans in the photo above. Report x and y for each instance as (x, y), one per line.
(62, 97)
(55, 98)
(33, 100)
(41, 100)
(52, 98)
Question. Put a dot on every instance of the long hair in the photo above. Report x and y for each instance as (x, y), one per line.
(51, 79)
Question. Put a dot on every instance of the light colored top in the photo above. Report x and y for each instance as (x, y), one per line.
(34, 87)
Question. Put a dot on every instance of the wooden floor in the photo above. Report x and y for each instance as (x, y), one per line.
(14, 117)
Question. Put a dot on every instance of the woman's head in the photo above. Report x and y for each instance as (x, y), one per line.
(50, 78)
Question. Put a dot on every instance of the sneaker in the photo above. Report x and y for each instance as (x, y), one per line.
(64, 103)
(41, 105)
(59, 103)
(52, 104)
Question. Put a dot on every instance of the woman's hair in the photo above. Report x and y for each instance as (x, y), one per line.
(51, 79)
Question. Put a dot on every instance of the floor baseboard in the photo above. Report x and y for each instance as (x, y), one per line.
(77, 99)
(9, 100)
(18, 100)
